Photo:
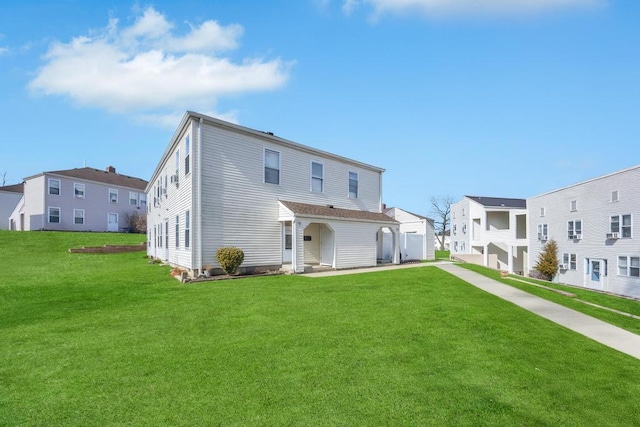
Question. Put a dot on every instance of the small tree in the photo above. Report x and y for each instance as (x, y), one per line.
(137, 222)
(230, 259)
(547, 264)
(441, 210)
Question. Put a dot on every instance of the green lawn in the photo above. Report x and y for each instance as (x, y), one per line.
(625, 305)
(442, 255)
(113, 340)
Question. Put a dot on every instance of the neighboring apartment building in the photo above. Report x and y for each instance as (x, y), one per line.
(284, 204)
(10, 195)
(490, 231)
(595, 224)
(81, 199)
(416, 235)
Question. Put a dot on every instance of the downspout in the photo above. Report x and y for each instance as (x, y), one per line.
(380, 186)
(199, 198)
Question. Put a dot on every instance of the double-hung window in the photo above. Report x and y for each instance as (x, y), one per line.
(569, 260)
(271, 167)
(54, 215)
(542, 232)
(353, 185)
(621, 224)
(113, 195)
(574, 229)
(177, 231)
(317, 177)
(187, 155)
(177, 164)
(78, 216)
(143, 199)
(133, 198)
(78, 190)
(629, 266)
(187, 229)
(54, 186)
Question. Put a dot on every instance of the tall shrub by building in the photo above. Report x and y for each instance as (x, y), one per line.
(547, 265)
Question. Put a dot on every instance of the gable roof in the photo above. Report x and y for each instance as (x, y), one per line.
(327, 211)
(388, 210)
(101, 176)
(499, 202)
(16, 188)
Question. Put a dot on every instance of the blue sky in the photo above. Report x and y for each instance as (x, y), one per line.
(508, 98)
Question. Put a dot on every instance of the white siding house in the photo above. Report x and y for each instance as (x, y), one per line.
(10, 195)
(490, 231)
(416, 235)
(595, 224)
(81, 199)
(219, 184)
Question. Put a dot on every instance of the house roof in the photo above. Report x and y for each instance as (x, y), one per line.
(327, 211)
(388, 210)
(102, 176)
(16, 188)
(499, 202)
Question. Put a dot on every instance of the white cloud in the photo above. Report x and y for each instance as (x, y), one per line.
(3, 50)
(439, 8)
(144, 68)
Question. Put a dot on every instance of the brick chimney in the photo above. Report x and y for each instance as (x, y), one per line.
(111, 169)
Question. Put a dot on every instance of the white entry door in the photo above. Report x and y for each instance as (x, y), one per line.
(112, 222)
(326, 245)
(286, 245)
(596, 274)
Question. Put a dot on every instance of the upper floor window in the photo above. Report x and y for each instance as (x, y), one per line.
(113, 195)
(574, 229)
(177, 162)
(573, 206)
(271, 166)
(317, 177)
(143, 199)
(54, 215)
(464, 227)
(54, 186)
(455, 229)
(543, 232)
(614, 196)
(569, 261)
(187, 155)
(462, 211)
(629, 266)
(133, 198)
(353, 185)
(177, 231)
(543, 212)
(621, 224)
(78, 190)
(78, 216)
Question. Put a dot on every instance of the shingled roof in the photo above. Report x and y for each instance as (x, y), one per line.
(103, 176)
(16, 188)
(500, 202)
(337, 213)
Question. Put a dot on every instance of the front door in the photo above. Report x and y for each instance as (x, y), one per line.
(596, 274)
(112, 222)
(326, 245)
(286, 245)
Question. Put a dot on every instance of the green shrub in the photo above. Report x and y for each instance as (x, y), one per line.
(230, 259)
(547, 264)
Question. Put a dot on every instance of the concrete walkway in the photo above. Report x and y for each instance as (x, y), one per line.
(602, 332)
(385, 267)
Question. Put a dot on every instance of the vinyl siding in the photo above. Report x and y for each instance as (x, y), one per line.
(594, 208)
(356, 244)
(8, 202)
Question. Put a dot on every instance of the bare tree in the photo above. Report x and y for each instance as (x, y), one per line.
(441, 211)
(4, 179)
(137, 222)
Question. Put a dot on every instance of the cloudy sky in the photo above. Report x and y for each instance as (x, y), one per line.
(504, 98)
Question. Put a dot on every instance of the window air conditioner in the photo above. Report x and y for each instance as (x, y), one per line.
(613, 235)
(174, 179)
(577, 237)
(563, 266)
(543, 237)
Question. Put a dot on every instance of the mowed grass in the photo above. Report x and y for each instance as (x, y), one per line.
(625, 305)
(113, 340)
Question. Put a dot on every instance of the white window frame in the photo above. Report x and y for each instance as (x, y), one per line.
(573, 206)
(572, 230)
(357, 182)
(543, 212)
(543, 230)
(50, 187)
(133, 198)
(177, 162)
(78, 188)
(266, 167)
(177, 232)
(615, 196)
(143, 199)
(76, 216)
(570, 260)
(113, 191)
(621, 227)
(317, 178)
(187, 155)
(59, 221)
(187, 230)
(629, 266)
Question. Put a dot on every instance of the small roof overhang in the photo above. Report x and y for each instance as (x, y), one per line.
(306, 210)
